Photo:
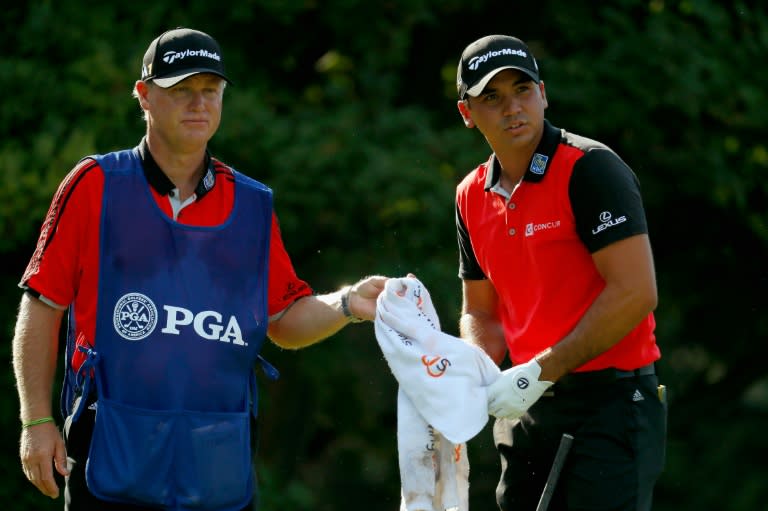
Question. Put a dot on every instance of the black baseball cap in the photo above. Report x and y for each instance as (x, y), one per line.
(482, 59)
(180, 53)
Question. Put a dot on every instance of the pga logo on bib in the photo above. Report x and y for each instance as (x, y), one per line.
(136, 316)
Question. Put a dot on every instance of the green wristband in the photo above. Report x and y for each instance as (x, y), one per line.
(43, 420)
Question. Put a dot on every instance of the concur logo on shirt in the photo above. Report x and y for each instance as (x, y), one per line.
(136, 317)
(532, 228)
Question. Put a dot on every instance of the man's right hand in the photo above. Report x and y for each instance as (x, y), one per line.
(42, 448)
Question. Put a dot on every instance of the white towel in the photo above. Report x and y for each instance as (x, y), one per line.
(442, 399)
(434, 472)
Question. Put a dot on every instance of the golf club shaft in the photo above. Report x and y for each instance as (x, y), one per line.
(554, 473)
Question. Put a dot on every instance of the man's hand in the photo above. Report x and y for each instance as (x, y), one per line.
(42, 448)
(517, 388)
(406, 307)
(362, 296)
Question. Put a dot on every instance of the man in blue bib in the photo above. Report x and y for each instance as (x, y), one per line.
(172, 271)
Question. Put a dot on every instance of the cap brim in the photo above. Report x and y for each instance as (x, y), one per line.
(478, 88)
(170, 81)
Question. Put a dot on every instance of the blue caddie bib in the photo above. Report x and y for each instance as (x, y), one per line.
(182, 317)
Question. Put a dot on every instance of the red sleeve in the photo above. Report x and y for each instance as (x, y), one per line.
(284, 286)
(66, 256)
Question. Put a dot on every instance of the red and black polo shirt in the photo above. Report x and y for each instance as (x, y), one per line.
(576, 197)
(63, 270)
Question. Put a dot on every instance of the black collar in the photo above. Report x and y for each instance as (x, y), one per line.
(540, 160)
(160, 182)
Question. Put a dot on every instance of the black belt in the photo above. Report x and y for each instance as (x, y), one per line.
(603, 376)
(646, 370)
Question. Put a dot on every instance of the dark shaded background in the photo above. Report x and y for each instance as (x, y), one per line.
(346, 108)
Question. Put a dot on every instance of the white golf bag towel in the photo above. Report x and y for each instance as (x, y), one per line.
(442, 399)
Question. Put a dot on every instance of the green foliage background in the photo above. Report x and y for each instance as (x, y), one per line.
(346, 108)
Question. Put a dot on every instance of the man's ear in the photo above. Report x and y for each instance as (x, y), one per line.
(141, 92)
(465, 113)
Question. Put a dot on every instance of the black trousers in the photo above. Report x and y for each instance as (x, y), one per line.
(619, 427)
(77, 497)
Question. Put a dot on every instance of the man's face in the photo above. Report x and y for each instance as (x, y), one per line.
(188, 114)
(509, 112)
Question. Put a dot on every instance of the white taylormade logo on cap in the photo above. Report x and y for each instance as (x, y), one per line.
(170, 56)
(475, 62)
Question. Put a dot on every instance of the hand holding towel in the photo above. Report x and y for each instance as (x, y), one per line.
(445, 377)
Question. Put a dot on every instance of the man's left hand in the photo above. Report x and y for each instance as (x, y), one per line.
(516, 390)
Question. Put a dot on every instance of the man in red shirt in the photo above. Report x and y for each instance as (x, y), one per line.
(172, 270)
(558, 273)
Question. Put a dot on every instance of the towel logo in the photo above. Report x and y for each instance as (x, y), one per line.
(403, 338)
(522, 383)
(432, 445)
(436, 366)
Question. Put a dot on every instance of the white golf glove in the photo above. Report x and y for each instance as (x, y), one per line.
(518, 387)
